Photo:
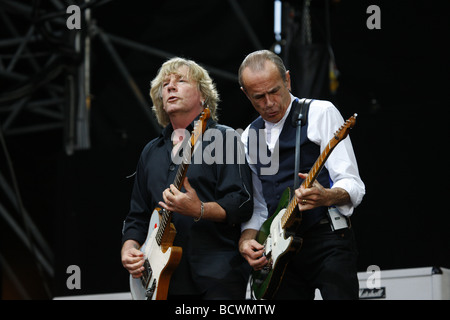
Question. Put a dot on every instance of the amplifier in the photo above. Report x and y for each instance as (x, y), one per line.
(428, 283)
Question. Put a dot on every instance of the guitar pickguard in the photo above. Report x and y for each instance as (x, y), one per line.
(277, 243)
(159, 265)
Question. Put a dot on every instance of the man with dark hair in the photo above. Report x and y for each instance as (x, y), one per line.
(327, 258)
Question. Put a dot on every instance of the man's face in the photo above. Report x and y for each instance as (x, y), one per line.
(180, 94)
(267, 91)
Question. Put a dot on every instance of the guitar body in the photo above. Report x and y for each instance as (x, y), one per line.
(280, 245)
(160, 263)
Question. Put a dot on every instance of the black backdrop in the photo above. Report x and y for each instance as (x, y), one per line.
(395, 78)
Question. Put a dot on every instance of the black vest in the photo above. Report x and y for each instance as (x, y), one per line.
(273, 185)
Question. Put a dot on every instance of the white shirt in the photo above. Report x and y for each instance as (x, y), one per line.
(323, 121)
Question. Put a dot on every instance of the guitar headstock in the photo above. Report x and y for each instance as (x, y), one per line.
(200, 126)
(343, 131)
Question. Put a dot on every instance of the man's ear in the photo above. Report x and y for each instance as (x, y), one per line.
(245, 92)
(288, 80)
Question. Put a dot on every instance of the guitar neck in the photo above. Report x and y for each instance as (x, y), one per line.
(166, 215)
(307, 183)
(181, 174)
(317, 167)
(199, 129)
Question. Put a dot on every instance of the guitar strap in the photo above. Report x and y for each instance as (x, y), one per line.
(298, 120)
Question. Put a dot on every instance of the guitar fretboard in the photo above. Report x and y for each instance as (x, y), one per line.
(307, 183)
(166, 216)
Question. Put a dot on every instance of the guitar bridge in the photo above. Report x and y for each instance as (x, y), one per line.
(269, 264)
(146, 274)
(150, 291)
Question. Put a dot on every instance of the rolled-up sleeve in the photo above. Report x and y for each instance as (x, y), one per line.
(341, 164)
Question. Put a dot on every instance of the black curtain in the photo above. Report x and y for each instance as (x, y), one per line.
(307, 51)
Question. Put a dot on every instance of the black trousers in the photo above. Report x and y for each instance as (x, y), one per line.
(327, 261)
(232, 286)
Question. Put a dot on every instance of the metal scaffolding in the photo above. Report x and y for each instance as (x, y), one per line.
(45, 86)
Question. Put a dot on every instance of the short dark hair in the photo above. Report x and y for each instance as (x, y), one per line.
(255, 61)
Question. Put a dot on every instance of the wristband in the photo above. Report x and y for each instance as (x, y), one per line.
(202, 210)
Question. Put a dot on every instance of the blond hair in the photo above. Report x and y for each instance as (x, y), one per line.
(196, 73)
